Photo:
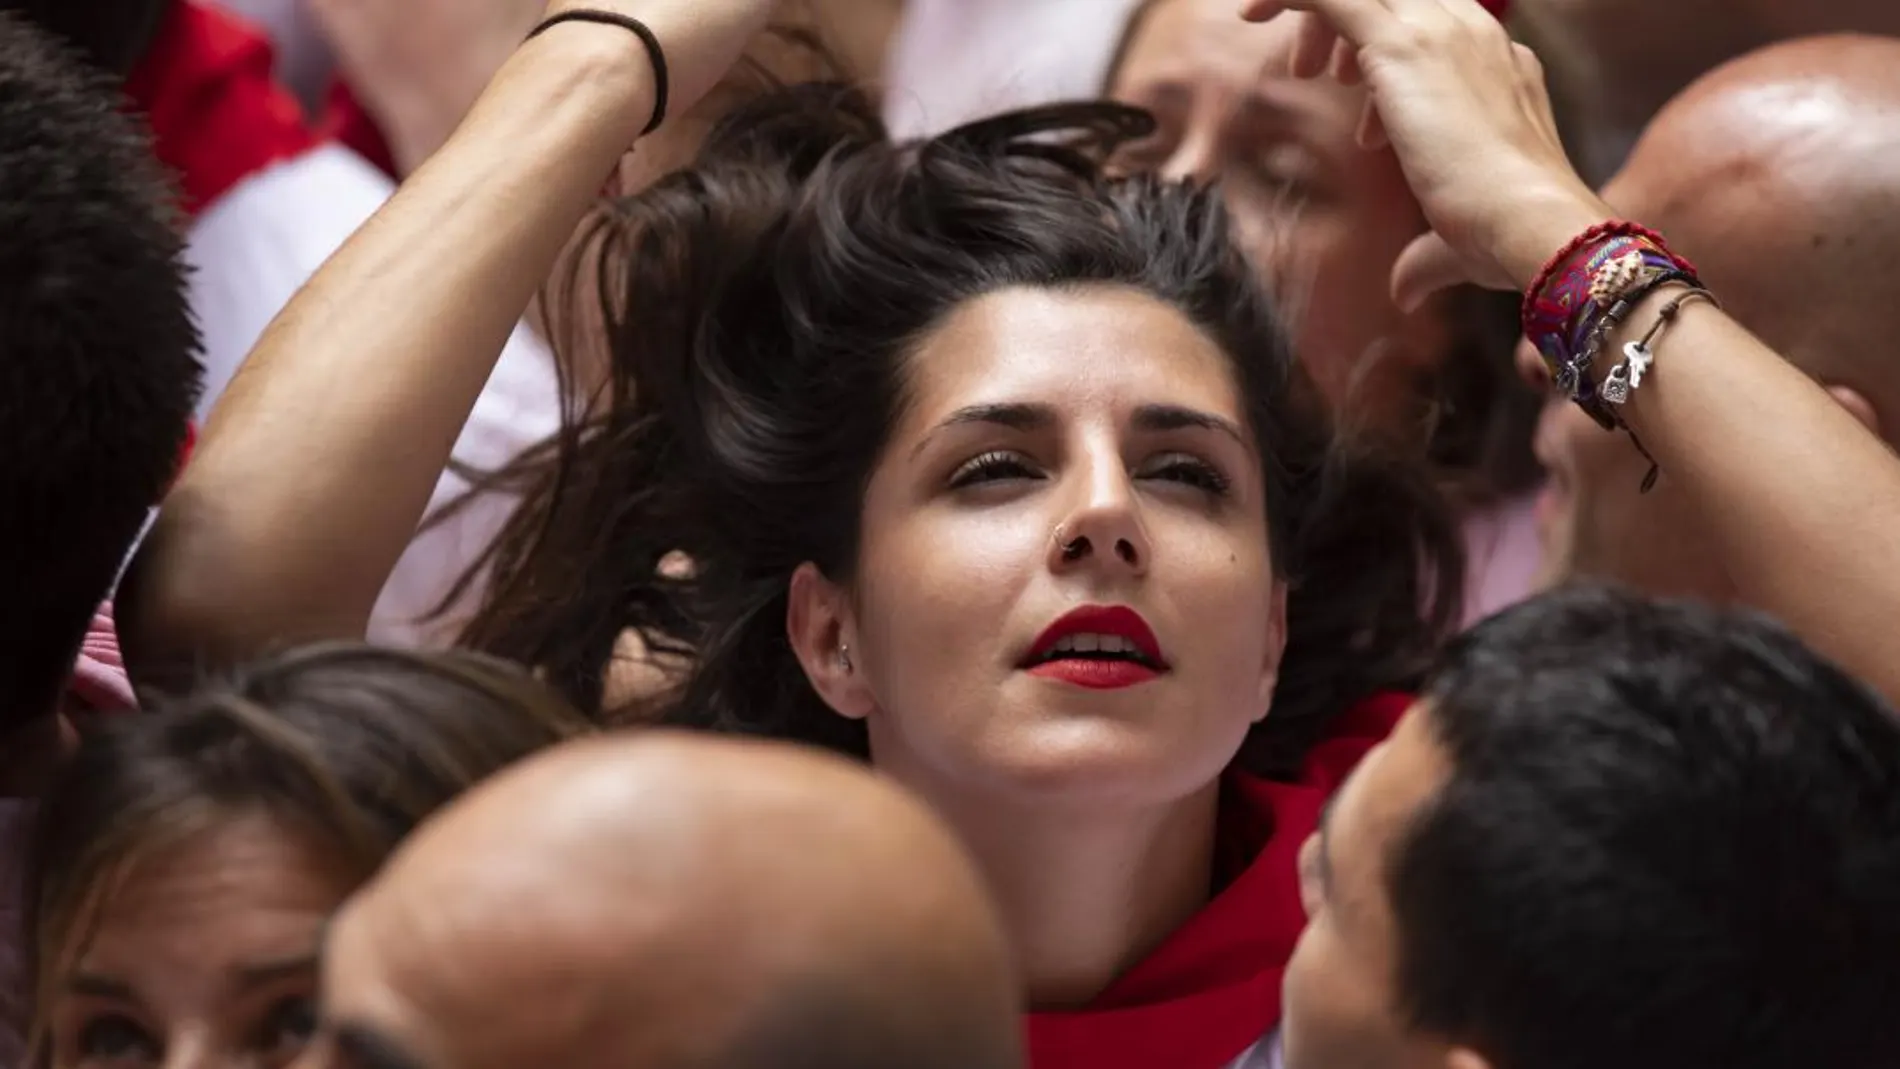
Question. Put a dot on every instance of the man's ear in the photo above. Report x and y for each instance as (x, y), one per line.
(819, 623)
(1858, 406)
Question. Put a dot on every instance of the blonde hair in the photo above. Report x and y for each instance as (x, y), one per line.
(350, 744)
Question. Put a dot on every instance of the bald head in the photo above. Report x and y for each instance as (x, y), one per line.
(1616, 62)
(1779, 175)
(668, 902)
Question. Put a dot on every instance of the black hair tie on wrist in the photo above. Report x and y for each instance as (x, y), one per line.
(639, 29)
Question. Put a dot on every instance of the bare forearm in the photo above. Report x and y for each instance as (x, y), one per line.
(1803, 501)
(318, 463)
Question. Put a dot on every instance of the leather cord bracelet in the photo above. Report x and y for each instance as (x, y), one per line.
(639, 29)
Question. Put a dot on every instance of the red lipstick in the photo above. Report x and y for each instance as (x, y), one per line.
(1100, 647)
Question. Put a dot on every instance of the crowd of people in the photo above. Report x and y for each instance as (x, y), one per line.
(897, 534)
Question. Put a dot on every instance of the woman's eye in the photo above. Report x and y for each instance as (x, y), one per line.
(1196, 473)
(117, 1039)
(287, 1029)
(990, 468)
(1283, 185)
(1284, 169)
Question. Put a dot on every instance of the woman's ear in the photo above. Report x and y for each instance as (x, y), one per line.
(1276, 649)
(819, 623)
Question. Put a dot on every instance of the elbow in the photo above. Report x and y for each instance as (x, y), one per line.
(199, 598)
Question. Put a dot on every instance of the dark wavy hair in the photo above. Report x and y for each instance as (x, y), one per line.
(759, 309)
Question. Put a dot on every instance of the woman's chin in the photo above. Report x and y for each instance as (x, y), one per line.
(1094, 760)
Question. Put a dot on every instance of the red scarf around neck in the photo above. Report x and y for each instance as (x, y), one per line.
(1213, 989)
(217, 114)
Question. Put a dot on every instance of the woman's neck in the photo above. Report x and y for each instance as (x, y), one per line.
(1087, 893)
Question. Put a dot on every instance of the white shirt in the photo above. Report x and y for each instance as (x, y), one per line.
(253, 249)
(1262, 1055)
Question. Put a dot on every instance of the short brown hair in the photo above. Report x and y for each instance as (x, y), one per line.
(354, 744)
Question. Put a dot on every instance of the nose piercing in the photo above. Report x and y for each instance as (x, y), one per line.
(1072, 548)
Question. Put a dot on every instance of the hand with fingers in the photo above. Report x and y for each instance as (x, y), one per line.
(1468, 114)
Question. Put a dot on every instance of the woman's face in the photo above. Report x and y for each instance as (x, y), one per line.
(203, 957)
(1325, 218)
(1062, 450)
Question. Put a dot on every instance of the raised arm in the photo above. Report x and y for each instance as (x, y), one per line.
(1803, 501)
(315, 469)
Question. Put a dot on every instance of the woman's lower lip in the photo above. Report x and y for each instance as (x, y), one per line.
(1095, 674)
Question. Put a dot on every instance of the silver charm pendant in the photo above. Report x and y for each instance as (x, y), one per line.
(1616, 388)
(1639, 360)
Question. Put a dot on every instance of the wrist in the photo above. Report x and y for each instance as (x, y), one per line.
(1540, 226)
(606, 62)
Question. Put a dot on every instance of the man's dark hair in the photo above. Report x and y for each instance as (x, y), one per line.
(113, 34)
(98, 355)
(1670, 838)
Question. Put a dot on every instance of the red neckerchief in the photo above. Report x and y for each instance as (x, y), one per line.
(1213, 989)
(217, 115)
(346, 121)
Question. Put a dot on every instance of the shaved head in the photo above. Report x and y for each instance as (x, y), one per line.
(668, 902)
(1778, 174)
(1615, 63)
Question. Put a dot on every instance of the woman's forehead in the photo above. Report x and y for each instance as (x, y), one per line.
(1086, 346)
(1190, 41)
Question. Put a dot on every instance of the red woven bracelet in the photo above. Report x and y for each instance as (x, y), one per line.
(1613, 228)
(1563, 315)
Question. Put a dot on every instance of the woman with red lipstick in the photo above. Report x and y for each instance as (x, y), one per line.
(992, 470)
(998, 474)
